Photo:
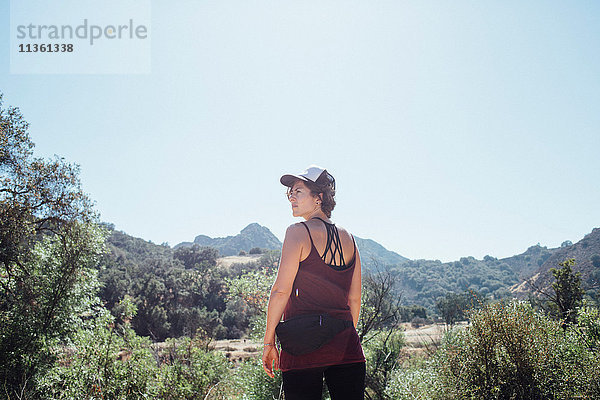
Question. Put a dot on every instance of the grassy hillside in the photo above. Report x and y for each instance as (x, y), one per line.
(586, 253)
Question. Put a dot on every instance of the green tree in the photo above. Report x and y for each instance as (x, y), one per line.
(568, 293)
(196, 257)
(176, 292)
(255, 250)
(453, 306)
(49, 246)
(252, 290)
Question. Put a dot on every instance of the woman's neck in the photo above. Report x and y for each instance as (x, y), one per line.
(316, 214)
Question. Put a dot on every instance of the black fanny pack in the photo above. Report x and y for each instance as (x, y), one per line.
(306, 333)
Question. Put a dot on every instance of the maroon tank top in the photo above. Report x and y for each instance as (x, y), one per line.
(323, 288)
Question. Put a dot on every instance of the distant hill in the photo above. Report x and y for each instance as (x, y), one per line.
(129, 249)
(423, 281)
(525, 264)
(254, 235)
(586, 253)
(373, 254)
(419, 281)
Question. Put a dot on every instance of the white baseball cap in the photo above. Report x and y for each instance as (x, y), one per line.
(311, 173)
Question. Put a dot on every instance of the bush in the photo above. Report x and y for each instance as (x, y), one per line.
(382, 352)
(415, 384)
(255, 383)
(588, 319)
(252, 288)
(110, 361)
(512, 352)
(101, 363)
(579, 367)
(189, 371)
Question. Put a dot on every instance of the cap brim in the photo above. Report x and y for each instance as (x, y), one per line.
(288, 180)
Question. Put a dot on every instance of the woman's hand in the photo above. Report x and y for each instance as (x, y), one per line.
(270, 359)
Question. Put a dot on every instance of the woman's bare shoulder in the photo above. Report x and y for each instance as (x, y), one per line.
(296, 236)
(295, 231)
(297, 227)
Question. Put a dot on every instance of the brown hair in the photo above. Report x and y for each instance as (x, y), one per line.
(325, 184)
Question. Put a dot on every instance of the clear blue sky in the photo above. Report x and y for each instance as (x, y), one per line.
(452, 128)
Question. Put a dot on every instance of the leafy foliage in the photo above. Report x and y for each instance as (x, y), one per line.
(255, 384)
(108, 360)
(566, 295)
(511, 351)
(453, 307)
(382, 353)
(179, 291)
(417, 383)
(588, 326)
(103, 361)
(422, 282)
(189, 371)
(198, 258)
(568, 292)
(252, 290)
(378, 329)
(49, 245)
(176, 293)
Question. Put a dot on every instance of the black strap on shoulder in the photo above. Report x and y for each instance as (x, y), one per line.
(308, 230)
(333, 246)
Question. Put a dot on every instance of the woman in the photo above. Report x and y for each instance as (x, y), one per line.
(319, 274)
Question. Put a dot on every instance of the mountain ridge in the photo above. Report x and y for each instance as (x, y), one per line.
(252, 236)
(422, 281)
(256, 235)
(586, 253)
(524, 265)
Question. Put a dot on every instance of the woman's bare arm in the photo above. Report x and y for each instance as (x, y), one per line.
(355, 290)
(281, 290)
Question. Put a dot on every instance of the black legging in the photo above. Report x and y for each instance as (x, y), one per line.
(344, 382)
